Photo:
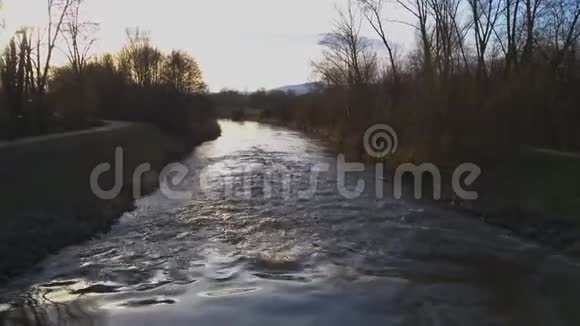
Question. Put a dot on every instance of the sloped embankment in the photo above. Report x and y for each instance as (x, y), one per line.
(45, 193)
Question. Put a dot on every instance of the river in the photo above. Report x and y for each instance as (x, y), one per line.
(219, 257)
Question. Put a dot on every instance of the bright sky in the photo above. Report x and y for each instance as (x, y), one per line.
(240, 44)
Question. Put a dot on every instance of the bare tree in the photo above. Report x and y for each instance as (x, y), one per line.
(79, 37)
(372, 10)
(57, 11)
(532, 9)
(139, 60)
(10, 78)
(485, 16)
(513, 34)
(560, 30)
(348, 58)
(17, 77)
(448, 36)
(420, 10)
(181, 72)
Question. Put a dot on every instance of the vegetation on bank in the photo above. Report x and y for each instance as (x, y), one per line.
(485, 77)
(139, 83)
(50, 206)
(486, 81)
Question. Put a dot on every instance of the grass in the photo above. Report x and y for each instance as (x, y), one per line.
(550, 184)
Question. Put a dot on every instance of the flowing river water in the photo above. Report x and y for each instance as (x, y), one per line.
(218, 257)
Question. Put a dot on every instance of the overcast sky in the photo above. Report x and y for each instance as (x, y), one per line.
(240, 44)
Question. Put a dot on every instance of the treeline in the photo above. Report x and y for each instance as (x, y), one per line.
(258, 105)
(140, 83)
(485, 77)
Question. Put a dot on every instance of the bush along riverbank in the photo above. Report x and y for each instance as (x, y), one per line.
(48, 202)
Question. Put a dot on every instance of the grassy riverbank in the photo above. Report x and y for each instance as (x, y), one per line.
(540, 200)
(535, 195)
(48, 201)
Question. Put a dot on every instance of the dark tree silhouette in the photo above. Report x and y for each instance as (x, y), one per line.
(139, 60)
(181, 72)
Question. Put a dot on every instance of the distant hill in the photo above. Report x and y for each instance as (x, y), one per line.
(300, 89)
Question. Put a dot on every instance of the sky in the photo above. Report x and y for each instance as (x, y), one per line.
(240, 44)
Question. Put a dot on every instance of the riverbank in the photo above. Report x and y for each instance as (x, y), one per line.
(535, 197)
(218, 257)
(47, 198)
